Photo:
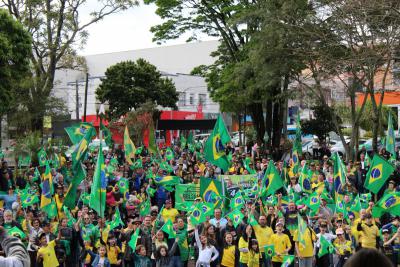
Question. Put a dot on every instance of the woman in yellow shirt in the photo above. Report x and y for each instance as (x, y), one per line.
(230, 253)
(244, 246)
(343, 247)
(281, 244)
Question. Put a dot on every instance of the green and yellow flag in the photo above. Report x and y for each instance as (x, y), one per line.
(47, 188)
(339, 172)
(169, 154)
(78, 131)
(378, 173)
(15, 231)
(98, 192)
(236, 216)
(42, 157)
(197, 216)
(71, 195)
(269, 251)
(390, 141)
(152, 140)
(81, 148)
(304, 180)
(325, 247)
(134, 238)
(272, 180)
(214, 149)
(117, 221)
(168, 228)
(129, 147)
(106, 134)
(287, 260)
(388, 203)
(211, 191)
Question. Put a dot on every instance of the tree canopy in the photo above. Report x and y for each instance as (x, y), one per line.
(127, 85)
(15, 48)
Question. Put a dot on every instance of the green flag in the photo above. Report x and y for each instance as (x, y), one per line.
(287, 260)
(167, 181)
(237, 201)
(302, 227)
(144, 208)
(269, 251)
(117, 221)
(390, 141)
(313, 201)
(166, 167)
(304, 180)
(168, 228)
(51, 210)
(252, 220)
(29, 199)
(15, 231)
(183, 141)
(134, 238)
(106, 134)
(325, 247)
(36, 175)
(378, 173)
(246, 164)
(388, 203)
(211, 191)
(78, 131)
(152, 140)
(42, 157)
(339, 173)
(98, 191)
(129, 147)
(71, 219)
(24, 161)
(214, 149)
(169, 154)
(137, 164)
(236, 216)
(81, 148)
(197, 216)
(339, 208)
(272, 181)
(71, 195)
(123, 185)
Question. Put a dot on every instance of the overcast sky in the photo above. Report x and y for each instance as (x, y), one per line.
(123, 31)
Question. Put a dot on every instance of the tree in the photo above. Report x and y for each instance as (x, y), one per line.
(127, 85)
(321, 124)
(15, 48)
(57, 29)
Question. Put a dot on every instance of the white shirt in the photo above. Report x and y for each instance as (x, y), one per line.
(206, 254)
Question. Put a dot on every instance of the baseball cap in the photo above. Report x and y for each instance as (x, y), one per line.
(339, 231)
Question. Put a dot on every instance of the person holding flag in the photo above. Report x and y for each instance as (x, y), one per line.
(281, 243)
(304, 238)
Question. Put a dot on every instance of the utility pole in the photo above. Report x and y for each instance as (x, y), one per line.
(86, 92)
(77, 99)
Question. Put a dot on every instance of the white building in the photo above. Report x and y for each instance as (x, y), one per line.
(175, 62)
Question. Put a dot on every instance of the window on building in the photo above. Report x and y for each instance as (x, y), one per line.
(182, 99)
(202, 99)
(191, 99)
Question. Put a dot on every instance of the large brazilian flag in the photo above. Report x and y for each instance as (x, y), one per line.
(214, 149)
(378, 173)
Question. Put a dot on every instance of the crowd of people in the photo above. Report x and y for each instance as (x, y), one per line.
(271, 230)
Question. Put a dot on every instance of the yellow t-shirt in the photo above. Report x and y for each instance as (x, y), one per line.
(169, 214)
(49, 255)
(253, 259)
(281, 243)
(243, 255)
(228, 259)
(308, 250)
(263, 234)
(342, 247)
(112, 254)
(368, 235)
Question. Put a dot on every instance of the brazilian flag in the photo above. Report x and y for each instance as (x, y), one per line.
(29, 200)
(206, 208)
(313, 201)
(78, 131)
(272, 180)
(287, 260)
(236, 217)
(388, 203)
(81, 148)
(169, 154)
(15, 231)
(237, 201)
(214, 149)
(197, 216)
(211, 191)
(304, 180)
(168, 228)
(339, 172)
(167, 180)
(378, 173)
(42, 157)
(269, 251)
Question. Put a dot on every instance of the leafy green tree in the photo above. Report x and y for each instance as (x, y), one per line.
(57, 29)
(15, 48)
(127, 85)
(321, 124)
